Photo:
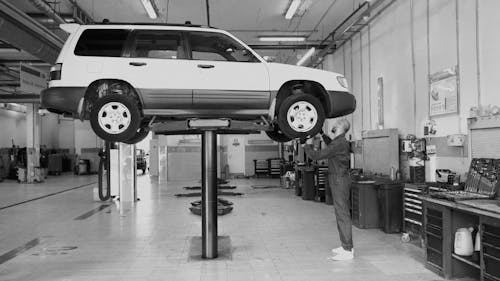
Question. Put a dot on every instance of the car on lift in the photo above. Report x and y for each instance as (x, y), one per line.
(126, 77)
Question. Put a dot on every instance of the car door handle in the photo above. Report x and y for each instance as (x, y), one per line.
(205, 66)
(134, 63)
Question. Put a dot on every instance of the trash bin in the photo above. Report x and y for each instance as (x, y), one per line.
(83, 166)
(308, 190)
(390, 196)
(298, 181)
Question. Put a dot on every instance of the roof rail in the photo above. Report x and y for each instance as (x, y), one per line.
(187, 23)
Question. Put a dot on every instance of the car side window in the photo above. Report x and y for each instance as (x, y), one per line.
(214, 46)
(158, 44)
(101, 42)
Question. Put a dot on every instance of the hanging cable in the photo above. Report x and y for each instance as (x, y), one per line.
(104, 165)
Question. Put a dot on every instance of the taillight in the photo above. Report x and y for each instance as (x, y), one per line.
(55, 72)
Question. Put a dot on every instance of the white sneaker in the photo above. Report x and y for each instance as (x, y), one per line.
(336, 251)
(342, 255)
(340, 249)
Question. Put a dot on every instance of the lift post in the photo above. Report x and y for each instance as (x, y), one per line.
(209, 194)
(209, 129)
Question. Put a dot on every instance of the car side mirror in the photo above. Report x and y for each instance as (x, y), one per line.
(269, 58)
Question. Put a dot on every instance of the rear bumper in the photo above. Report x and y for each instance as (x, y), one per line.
(62, 99)
(341, 103)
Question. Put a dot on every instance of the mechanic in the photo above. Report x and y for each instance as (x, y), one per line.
(338, 154)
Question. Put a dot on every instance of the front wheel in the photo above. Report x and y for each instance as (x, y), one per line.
(301, 116)
(140, 135)
(115, 118)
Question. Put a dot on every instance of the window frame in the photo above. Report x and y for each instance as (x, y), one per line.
(132, 43)
(190, 49)
(124, 47)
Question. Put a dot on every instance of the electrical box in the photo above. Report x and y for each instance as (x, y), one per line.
(456, 140)
(431, 149)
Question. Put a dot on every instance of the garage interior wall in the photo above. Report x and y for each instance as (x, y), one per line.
(55, 132)
(406, 43)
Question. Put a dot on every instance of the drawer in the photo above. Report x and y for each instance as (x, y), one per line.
(434, 231)
(492, 266)
(435, 213)
(435, 258)
(491, 250)
(410, 214)
(491, 239)
(434, 242)
(488, 277)
(434, 221)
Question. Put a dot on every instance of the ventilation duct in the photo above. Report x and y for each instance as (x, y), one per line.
(23, 32)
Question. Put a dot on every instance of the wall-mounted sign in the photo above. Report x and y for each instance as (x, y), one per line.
(443, 97)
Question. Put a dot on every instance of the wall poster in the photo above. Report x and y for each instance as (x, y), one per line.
(443, 98)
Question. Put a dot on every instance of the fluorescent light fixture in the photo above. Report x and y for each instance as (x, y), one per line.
(282, 38)
(306, 56)
(292, 9)
(150, 8)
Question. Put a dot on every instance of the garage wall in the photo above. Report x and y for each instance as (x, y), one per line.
(14, 123)
(406, 43)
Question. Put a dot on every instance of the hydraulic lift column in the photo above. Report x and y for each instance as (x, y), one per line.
(209, 194)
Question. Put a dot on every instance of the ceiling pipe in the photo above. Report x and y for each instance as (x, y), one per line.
(44, 7)
(361, 17)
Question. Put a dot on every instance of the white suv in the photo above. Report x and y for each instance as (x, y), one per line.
(125, 77)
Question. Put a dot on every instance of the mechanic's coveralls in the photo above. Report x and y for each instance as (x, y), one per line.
(338, 154)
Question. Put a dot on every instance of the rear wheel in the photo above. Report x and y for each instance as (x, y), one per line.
(115, 118)
(277, 135)
(301, 116)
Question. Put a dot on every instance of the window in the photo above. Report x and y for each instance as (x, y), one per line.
(158, 44)
(218, 47)
(101, 42)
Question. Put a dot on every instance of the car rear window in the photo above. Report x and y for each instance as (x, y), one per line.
(101, 42)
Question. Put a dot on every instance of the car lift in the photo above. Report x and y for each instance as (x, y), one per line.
(208, 128)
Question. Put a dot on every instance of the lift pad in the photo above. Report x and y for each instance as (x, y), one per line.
(198, 126)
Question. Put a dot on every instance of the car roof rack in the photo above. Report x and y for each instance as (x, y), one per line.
(186, 24)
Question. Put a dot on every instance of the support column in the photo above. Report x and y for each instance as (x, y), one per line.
(209, 195)
(32, 142)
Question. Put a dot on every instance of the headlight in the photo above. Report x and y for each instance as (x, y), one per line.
(343, 82)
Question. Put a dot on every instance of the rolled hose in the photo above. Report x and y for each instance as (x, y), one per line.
(102, 197)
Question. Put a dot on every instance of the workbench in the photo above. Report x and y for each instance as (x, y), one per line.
(442, 218)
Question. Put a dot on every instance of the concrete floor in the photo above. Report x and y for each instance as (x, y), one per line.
(274, 234)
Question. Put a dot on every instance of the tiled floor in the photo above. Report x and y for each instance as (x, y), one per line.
(274, 234)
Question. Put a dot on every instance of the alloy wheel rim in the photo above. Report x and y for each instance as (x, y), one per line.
(114, 118)
(302, 116)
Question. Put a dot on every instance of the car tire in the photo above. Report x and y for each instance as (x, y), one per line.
(301, 116)
(277, 135)
(115, 118)
(141, 134)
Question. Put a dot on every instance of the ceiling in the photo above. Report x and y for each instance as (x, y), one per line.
(245, 19)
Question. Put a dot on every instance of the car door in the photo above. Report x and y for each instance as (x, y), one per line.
(229, 76)
(159, 69)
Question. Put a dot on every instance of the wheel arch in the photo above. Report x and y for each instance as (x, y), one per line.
(307, 86)
(91, 94)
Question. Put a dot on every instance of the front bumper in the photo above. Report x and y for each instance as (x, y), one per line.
(341, 103)
(62, 99)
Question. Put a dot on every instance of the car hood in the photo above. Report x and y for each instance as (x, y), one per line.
(280, 73)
